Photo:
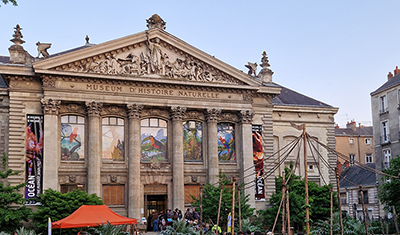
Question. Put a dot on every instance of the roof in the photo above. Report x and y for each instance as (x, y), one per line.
(2, 82)
(362, 131)
(358, 176)
(73, 49)
(394, 81)
(290, 97)
(4, 59)
(92, 216)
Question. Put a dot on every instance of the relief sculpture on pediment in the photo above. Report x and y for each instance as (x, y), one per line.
(155, 58)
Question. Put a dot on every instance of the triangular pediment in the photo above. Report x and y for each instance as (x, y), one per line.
(149, 54)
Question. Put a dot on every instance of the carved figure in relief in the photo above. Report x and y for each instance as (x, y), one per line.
(154, 55)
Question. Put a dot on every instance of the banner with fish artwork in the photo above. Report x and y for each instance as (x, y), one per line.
(33, 158)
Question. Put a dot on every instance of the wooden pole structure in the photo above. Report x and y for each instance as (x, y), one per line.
(233, 205)
(395, 220)
(288, 210)
(331, 191)
(360, 191)
(283, 200)
(219, 206)
(240, 211)
(201, 205)
(339, 202)
(306, 180)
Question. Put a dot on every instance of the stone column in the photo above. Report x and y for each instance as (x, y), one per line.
(94, 153)
(51, 144)
(134, 154)
(212, 143)
(178, 200)
(246, 118)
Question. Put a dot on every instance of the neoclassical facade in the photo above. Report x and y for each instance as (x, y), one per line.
(142, 121)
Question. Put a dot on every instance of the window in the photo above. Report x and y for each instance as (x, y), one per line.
(193, 141)
(191, 190)
(352, 159)
(113, 194)
(226, 142)
(386, 158)
(398, 96)
(351, 141)
(365, 195)
(343, 198)
(154, 139)
(113, 141)
(368, 158)
(384, 132)
(367, 141)
(383, 104)
(72, 138)
(69, 188)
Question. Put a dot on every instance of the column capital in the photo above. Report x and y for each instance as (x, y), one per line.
(50, 106)
(213, 115)
(177, 112)
(134, 110)
(93, 108)
(246, 116)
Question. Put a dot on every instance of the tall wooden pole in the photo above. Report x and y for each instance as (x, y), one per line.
(283, 200)
(233, 205)
(201, 205)
(339, 202)
(395, 220)
(288, 210)
(219, 206)
(360, 191)
(331, 191)
(240, 211)
(306, 180)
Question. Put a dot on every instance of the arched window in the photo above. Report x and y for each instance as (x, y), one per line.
(226, 142)
(113, 141)
(154, 139)
(72, 138)
(192, 141)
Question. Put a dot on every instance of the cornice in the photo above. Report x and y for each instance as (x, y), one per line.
(304, 109)
(17, 70)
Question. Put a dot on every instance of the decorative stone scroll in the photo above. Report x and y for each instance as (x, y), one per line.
(213, 115)
(246, 116)
(230, 117)
(194, 115)
(177, 112)
(50, 106)
(93, 108)
(49, 82)
(155, 21)
(134, 110)
(72, 108)
(154, 112)
(113, 110)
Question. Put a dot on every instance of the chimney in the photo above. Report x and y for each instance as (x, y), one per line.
(347, 164)
(339, 167)
(396, 71)
(337, 126)
(390, 75)
(351, 125)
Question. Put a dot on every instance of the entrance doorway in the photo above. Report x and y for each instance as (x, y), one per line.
(154, 203)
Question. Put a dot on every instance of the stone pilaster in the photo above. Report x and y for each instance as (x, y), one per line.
(246, 118)
(268, 150)
(51, 146)
(134, 188)
(178, 200)
(212, 151)
(94, 153)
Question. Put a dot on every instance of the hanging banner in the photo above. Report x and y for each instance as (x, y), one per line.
(33, 158)
(258, 160)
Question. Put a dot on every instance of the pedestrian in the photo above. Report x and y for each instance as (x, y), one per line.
(155, 221)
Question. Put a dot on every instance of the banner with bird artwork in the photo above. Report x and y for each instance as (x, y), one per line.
(192, 141)
(154, 140)
(33, 157)
(226, 142)
(72, 138)
(258, 160)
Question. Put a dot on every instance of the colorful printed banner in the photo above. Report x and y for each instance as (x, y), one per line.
(33, 157)
(258, 159)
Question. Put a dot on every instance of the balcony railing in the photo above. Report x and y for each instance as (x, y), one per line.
(385, 139)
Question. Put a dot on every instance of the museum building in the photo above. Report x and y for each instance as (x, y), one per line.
(142, 121)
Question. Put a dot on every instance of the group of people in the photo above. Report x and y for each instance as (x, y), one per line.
(160, 220)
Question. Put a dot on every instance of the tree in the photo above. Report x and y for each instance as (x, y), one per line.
(12, 208)
(389, 191)
(210, 202)
(14, 2)
(319, 200)
(58, 206)
(106, 229)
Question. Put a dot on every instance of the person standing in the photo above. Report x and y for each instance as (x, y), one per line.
(155, 221)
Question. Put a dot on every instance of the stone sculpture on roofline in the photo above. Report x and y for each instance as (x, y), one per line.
(265, 75)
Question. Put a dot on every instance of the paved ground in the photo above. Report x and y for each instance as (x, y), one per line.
(149, 233)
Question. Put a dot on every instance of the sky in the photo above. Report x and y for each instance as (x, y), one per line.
(337, 52)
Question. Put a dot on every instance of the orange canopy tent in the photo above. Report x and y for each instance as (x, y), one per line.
(92, 216)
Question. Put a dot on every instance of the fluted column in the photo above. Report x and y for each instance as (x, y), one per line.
(246, 118)
(178, 200)
(51, 136)
(94, 153)
(134, 194)
(212, 143)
